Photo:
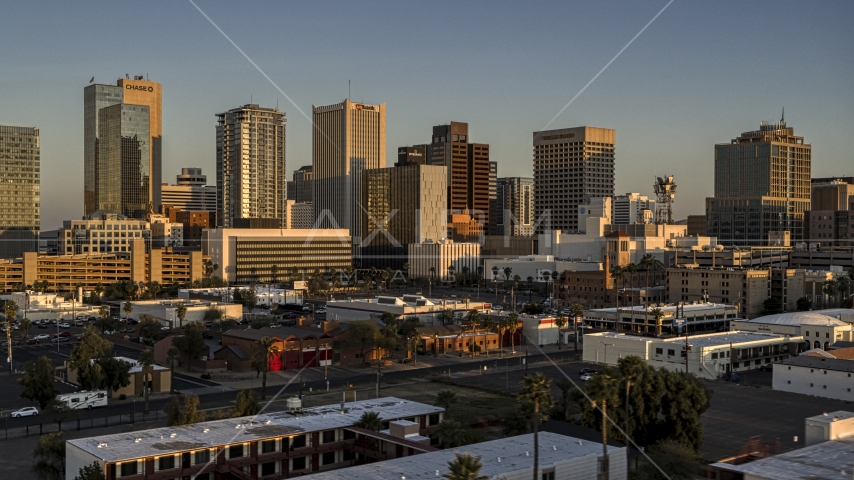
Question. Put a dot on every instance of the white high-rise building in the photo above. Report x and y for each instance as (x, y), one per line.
(191, 193)
(251, 177)
(570, 164)
(629, 208)
(347, 138)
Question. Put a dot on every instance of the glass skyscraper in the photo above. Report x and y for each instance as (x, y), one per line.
(20, 206)
(134, 149)
(762, 185)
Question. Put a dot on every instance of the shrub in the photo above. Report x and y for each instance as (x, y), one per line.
(123, 397)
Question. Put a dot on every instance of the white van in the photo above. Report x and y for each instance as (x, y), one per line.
(83, 399)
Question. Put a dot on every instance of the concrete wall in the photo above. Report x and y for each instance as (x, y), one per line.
(75, 459)
(814, 381)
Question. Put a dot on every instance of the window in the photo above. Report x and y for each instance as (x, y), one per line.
(548, 475)
(166, 463)
(714, 355)
(235, 451)
(807, 333)
(299, 463)
(268, 446)
(328, 436)
(434, 418)
(671, 352)
(328, 458)
(128, 468)
(348, 435)
(659, 351)
(298, 442)
(268, 468)
(203, 456)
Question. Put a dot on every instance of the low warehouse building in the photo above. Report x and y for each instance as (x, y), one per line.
(159, 379)
(298, 348)
(819, 373)
(820, 328)
(166, 310)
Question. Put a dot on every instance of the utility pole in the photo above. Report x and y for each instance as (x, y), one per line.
(687, 348)
(526, 361)
(604, 464)
(378, 376)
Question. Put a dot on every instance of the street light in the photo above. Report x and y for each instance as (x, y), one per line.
(605, 358)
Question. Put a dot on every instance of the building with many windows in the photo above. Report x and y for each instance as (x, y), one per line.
(515, 204)
(762, 185)
(633, 208)
(303, 182)
(571, 165)
(251, 178)
(248, 254)
(122, 139)
(300, 215)
(347, 138)
(20, 180)
(443, 260)
(191, 192)
(102, 232)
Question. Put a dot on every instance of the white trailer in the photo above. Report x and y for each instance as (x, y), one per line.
(83, 399)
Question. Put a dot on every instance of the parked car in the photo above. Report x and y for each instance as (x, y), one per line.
(64, 334)
(766, 368)
(42, 336)
(59, 340)
(132, 321)
(586, 370)
(320, 311)
(732, 377)
(42, 325)
(25, 412)
(207, 336)
(33, 341)
(587, 377)
(166, 328)
(64, 325)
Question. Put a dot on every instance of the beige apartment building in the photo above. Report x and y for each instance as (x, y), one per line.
(570, 165)
(746, 289)
(101, 232)
(436, 259)
(300, 215)
(347, 138)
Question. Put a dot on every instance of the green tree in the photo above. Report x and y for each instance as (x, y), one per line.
(250, 297)
(171, 354)
(225, 324)
(25, 325)
(191, 344)
(186, 414)
(146, 361)
(91, 472)
(265, 349)
(561, 410)
(212, 314)
(560, 322)
(49, 456)
(260, 322)
(370, 420)
(409, 325)
(685, 400)
(464, 466)
(504, 325)
(446, 316)
(676, 460)
(537, 391)
(38, 382)
(181, 312)
(364, 336)
(127, 308)
(114, 373)
(11, 310)
(451, 433)
(90, 375)
(513, 320)
(246, 404)
(148, 329)
(488, 324)
(771, 306)
(803, 304)
(445, 399)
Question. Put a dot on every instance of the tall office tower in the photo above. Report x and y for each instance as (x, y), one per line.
(631, 207)
(303, 181)
(762, 185)
(251, 177)
(347, 138)
(292, 190)
(414, 155)
(146, 181)
(20, 159)
(570, 164)
(123, 156)
(495, 225)
(516, 204)
(191, 192)
(468, 170)
(830, 194)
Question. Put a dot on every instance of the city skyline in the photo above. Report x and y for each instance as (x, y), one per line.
(687, 77)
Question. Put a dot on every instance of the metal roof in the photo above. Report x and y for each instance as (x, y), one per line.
(515, 454)
(163, 441)
(832, 460)
(799, 318)
(823, 363)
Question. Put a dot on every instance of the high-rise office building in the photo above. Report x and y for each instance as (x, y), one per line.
(190, 193)
(414, 155)
(251, 177)
(516, 204)
(633, 208)
(347, 138)
(123, 164)
(495, 226)
(762, 185)
(570, 164)
(303, 181)
(20, 159)
(468, 170)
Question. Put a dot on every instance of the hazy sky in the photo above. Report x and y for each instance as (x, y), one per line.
(701, 74)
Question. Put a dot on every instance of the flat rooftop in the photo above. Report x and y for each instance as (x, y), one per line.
(810, 361)
(688, 307)
(706, 340)
(516, 453)
(161, 441)
(832, 460)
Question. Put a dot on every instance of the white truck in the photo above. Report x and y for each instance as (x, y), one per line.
(83, 399)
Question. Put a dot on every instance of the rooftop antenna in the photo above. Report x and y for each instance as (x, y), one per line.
(348, 89)
(783, 117)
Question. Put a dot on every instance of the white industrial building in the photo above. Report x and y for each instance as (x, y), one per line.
(540, 267)
(818, 373)
(427, 310)
(434, 259)
(710, 356)
(697, 316)
(166, 310)
(820, 328)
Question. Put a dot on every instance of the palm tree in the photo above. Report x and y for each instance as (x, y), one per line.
(513, 319)
(451, 271)
(647, 262)
(128, 309)
(617, 273)
(560, 322)
(265, 348)
(25, 326)
(473, 318)
(446, 315)
(181, 312)
(11, 310)
(631, 270)
(507, 272)
(488, 323)
(172, 353)
(445, 399)
(451, 433)
(465, 467)
(370, 421)
(503, 326)
(537, 392)
(553, 276)
(104, 313)
(146, 361)
(830, 289)
(495, 279)
(577, 311)
(657, 314)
